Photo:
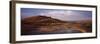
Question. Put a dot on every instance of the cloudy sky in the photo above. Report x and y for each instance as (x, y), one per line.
(66, 15)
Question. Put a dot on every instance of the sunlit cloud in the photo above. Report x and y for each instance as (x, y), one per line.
(65, 15)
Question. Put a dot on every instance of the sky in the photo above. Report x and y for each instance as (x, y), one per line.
(66, 15)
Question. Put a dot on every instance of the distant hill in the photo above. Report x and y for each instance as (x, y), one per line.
(43, 19)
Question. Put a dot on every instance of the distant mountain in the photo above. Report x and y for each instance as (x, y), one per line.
(41, 20)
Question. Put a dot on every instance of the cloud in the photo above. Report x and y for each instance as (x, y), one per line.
(65, 15)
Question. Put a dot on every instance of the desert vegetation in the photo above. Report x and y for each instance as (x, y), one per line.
(45, 25)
